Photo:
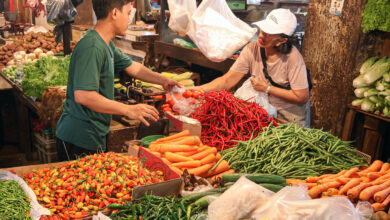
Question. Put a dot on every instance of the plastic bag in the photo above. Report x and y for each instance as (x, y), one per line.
(365, 210)
(184, 106)
(60, 11)
(294, 203)
(246, 92)
(181, 12)
(239, 200)
(36, 209)
(216, 31)
(198, 189)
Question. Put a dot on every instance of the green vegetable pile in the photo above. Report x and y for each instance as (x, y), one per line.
(376, 16)
(293, 152)
(47, 71)
(11, 73)
(373, 86)
(14, 203)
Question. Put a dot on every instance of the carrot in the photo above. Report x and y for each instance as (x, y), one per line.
(373, 176)
(385, 167)
(190, 140)
(375, 166)
(203, 148)
(218, 156)
(343, 180)
(177, 170)
(387, 201)
(312, 179)
(317, 190)
(350, 172)
(295, 181)
(166, 161)
(365, 179)
(222, 167)
(156, 153)
(333, 191)
(384, 177)
(311, 185)
(200, 170)
(188, 164)
(203, 154)
(378, 206)
(215, 177)
(367, 193)
(382, 195)
(187, 154)
(175, 148)
(354, 192)
(349, 185)
(172, 157)
(175, 136)
(208, 159)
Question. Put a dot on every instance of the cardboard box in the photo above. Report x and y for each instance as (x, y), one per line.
(180, 123)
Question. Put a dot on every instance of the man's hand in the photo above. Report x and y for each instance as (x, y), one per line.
(259, 84)
(169, 84)
(141, 112)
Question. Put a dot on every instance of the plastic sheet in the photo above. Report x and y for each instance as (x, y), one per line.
(246, 92)
(216, 31)
(181, 12)
(36, 209)
(184, 106)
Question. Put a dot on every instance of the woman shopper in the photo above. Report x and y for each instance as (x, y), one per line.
(276, 66)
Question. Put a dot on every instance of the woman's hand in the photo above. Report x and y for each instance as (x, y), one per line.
(169, 84)
(259, 84)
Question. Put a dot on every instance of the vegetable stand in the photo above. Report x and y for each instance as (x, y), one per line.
(369, 130)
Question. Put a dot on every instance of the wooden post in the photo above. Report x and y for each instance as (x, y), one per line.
(334, 48)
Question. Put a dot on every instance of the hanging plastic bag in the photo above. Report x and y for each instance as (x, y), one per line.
(181, 12)
(246, 92)
(60, 11)
(216, 31)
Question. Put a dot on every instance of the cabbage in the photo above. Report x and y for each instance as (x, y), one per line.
(359, 82)
(360, 92)
(367, 64)
(367, 105)
(357, 102)
(377, 70)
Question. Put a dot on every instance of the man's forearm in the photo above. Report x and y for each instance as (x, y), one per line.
(99, 103)
(293, 96)
(142, 73)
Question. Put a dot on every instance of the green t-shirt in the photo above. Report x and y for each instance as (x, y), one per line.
(92, 68)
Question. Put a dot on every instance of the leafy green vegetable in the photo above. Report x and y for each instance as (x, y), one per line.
(376, 16)
(47, 71)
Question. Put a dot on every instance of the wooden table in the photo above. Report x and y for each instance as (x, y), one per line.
(370, 132)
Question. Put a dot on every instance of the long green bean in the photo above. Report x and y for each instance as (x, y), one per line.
(293, 152)
(14, 203)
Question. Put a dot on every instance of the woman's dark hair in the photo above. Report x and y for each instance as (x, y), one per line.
(103, 7)
(285, 48)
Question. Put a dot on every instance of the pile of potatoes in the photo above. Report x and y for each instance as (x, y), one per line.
(29, 43)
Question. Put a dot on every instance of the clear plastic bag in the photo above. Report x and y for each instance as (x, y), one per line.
(184, 106)
(216, 31)
(246, 92)
(181, 12)
(37, 211)
(60, 11)
(238, 201)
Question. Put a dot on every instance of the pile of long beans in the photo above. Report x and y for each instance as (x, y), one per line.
(14, 203)
(293, 152)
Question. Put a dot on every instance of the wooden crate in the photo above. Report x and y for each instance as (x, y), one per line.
(46, 146)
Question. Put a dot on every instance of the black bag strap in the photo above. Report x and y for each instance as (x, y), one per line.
(267, 76)
(265, 71)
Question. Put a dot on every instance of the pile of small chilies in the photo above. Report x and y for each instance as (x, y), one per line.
(225, 118)
(82, 187)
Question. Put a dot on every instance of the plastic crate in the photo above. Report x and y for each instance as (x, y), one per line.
(46, 146)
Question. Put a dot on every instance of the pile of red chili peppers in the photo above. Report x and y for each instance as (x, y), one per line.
(225, 118)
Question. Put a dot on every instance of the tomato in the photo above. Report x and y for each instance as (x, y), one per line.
(196, 94)
(170, 102)
(187, 94)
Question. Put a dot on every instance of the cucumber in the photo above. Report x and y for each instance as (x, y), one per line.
(195, 196)
(149, 139)
(272, 187)
(257, 178)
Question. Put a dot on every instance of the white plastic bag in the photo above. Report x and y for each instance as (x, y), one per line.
(246, 92)
(216, 31)
(36, 209)
(181, 12)
(184, 106)
(238, 201)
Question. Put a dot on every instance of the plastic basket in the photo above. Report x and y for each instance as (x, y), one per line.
(11, 16)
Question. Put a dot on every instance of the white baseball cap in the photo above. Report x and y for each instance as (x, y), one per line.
(279, 21)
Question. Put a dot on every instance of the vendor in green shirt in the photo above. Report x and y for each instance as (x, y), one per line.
(89, 104)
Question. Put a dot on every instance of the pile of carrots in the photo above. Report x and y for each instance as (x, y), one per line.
(182, 151)
(371, 184)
